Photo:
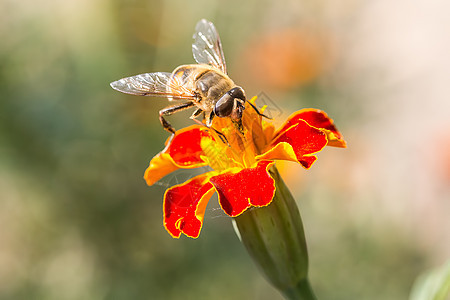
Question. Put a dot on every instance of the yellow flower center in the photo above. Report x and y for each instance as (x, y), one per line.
(241, 148)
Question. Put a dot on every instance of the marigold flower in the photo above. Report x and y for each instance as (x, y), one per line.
(241, 164)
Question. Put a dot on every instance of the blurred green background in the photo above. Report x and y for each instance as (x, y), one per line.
(77, 220)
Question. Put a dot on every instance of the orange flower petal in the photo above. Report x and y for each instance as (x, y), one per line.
(160, 166)
(297, 143)
(240, 189)
(185, 204)
(320, 120)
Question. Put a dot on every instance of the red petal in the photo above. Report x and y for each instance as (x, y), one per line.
(185, 204)
(251, 186)
(319, 119)
(185, 148)
(297, 143)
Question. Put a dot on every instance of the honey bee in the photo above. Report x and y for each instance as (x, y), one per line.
(205, 85)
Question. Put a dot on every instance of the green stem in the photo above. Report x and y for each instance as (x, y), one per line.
(274, 237)
(302, 291)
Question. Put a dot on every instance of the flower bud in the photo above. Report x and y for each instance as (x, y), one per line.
(274, 237)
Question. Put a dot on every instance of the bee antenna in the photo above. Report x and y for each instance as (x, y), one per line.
(258, 112)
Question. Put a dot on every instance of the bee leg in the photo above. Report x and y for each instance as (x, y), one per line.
(209, 119)
(222, 137)
(171, 110)
(196, 113)
(208, 124)
(258, 112)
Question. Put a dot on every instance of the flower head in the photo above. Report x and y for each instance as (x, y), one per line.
(240, 174)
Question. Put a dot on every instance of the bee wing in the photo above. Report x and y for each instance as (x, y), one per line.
(207, 48)
(153, 84)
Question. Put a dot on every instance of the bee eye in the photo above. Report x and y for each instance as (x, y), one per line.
(224, 106)
(237, 92)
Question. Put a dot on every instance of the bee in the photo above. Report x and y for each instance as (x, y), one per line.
(204, 86)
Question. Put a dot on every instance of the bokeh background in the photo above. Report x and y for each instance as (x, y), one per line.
(77, 220)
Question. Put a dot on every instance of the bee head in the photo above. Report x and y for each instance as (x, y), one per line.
(231, 104)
